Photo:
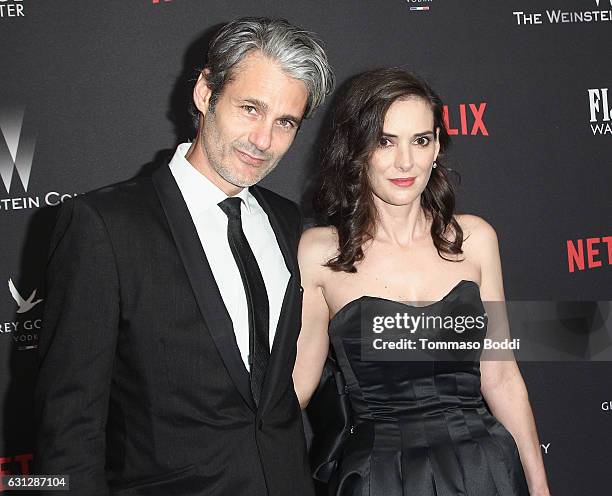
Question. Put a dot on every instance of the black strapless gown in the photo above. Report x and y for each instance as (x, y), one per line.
(419, 428)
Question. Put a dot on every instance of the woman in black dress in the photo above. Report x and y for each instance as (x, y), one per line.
(420, 428)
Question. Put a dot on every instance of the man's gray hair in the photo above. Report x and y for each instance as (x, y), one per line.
(298, 52)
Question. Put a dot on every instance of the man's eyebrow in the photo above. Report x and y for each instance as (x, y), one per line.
(257, 103)
(296, 120)
(265, 107)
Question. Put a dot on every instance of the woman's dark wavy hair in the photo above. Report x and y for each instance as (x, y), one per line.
(345, 198)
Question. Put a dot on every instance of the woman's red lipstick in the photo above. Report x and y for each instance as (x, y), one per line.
(403, 182)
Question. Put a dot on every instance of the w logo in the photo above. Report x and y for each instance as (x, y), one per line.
(598, 1)
(16, 151)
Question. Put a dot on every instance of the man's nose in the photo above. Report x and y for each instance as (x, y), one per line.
(261, 135)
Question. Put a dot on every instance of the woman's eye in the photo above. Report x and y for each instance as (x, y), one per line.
(422, 141)
(384, 142)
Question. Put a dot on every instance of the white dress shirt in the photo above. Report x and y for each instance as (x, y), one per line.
(202, 198)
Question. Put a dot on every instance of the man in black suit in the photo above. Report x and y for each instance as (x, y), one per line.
(174, 302)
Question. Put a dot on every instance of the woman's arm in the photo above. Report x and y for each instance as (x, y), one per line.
(506, 395)
(501, 382)
(313, 341)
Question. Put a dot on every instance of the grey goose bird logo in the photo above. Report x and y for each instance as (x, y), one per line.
(24, 305)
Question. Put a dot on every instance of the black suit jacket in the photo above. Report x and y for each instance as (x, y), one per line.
(141, 389)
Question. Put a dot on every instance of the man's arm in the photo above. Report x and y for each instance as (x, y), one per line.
(76, 350)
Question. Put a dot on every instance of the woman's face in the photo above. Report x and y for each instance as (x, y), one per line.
(402, 161)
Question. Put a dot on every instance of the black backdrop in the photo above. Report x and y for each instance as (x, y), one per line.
(93, 92)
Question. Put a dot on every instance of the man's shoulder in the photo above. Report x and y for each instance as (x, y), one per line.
(128, 204)
(278, 203)
(123, 190)
(273, 198)
(126, 196)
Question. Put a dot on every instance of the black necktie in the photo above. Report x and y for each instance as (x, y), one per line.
(256, 295)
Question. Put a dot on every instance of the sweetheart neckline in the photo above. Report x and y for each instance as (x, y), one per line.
(402, 303)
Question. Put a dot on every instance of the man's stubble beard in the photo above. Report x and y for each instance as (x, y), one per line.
(214, 145)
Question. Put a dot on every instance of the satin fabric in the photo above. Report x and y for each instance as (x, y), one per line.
(418, 428)
(256, 295)
(329, 414)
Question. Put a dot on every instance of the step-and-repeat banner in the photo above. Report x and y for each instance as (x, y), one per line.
(94, 92)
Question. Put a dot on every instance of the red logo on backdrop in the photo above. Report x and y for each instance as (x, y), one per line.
(588, 253)
(161, 1)
(469, 117)
(15, 465)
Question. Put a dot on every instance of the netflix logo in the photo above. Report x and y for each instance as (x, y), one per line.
(14, 465)
(589, 253)
(466, 119)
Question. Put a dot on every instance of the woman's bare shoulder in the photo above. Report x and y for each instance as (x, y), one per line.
(318, 245)
(480, 242)
(476, 228)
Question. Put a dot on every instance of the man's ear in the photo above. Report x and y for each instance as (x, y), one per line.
(202, 92)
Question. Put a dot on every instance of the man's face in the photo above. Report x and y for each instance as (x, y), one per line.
(253, 122)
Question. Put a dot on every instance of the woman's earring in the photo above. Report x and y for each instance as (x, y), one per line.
(434, 165)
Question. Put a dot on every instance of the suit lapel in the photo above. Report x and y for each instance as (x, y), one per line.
(282, 337)
(280, 231)
(202, 280)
